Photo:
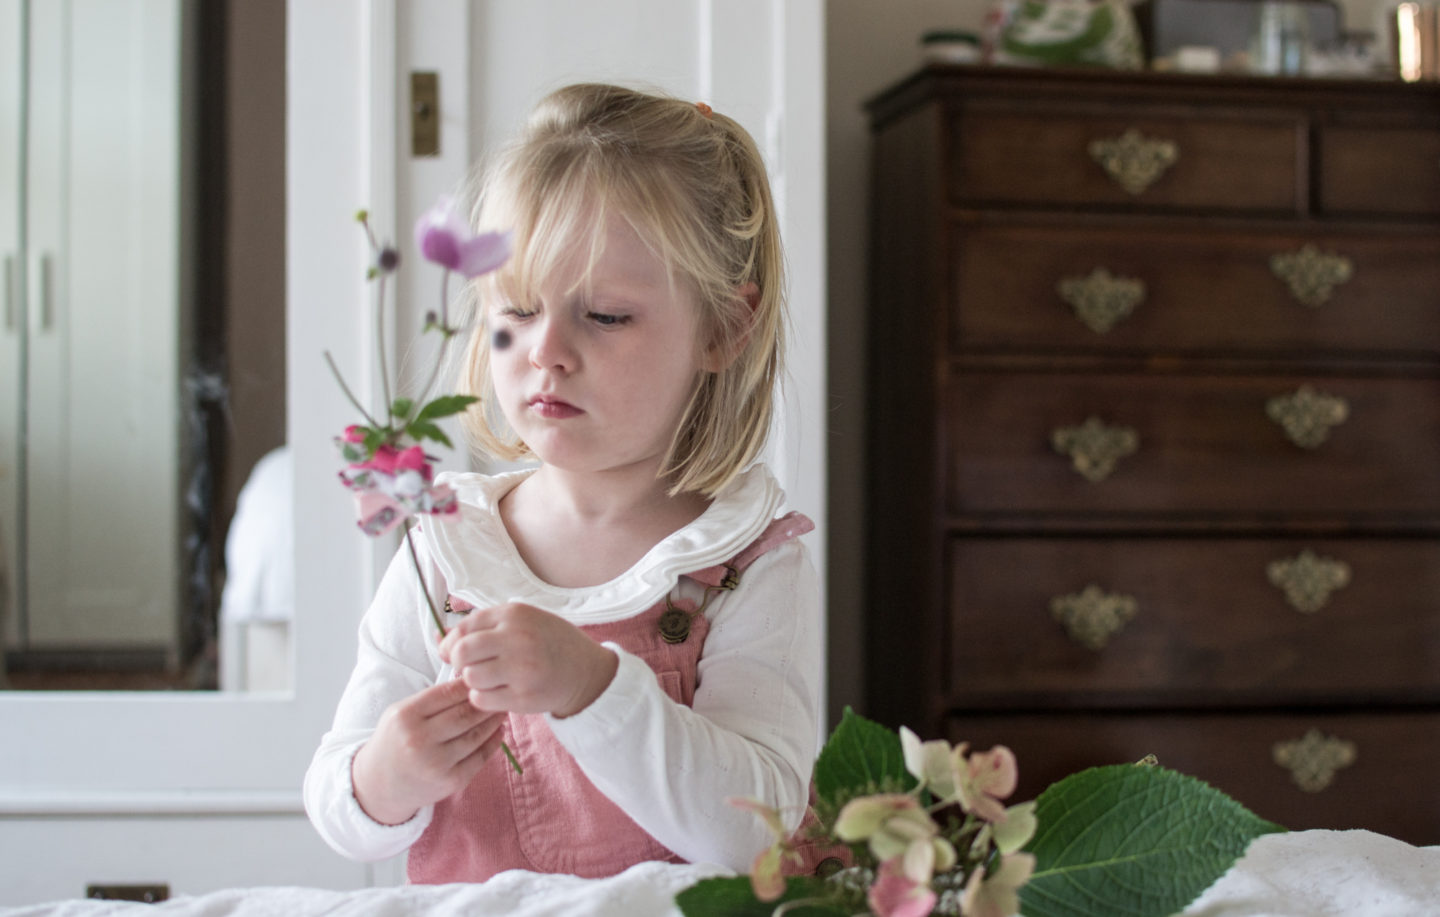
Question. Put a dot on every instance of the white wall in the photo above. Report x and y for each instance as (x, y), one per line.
(871, 44)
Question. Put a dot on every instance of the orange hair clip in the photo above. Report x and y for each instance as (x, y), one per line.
(705, 110)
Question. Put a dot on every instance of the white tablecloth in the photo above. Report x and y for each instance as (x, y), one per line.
(1301, 874)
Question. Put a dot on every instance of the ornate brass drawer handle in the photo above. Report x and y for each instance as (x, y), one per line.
(1093, 448)
(1101, 299)
(1091, 617)
(1307, 415)
(1133, 160)
(1313, 759)
(1308, 579)
(1311, 274)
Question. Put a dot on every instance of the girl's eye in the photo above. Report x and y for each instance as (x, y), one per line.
(517, 313)
(607, 319)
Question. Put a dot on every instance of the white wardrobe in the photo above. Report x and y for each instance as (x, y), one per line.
(201, 790)
(90, 235)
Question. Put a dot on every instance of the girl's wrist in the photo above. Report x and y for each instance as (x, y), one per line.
(366, 802)
(601, 674)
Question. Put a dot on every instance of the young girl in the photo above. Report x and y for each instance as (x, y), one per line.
(629, 617)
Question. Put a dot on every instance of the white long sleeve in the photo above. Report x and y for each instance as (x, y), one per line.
(397, 658)
(752, 731)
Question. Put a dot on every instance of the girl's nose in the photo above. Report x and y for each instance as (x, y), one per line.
(552, 349)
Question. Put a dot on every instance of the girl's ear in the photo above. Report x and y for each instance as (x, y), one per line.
(720, 353)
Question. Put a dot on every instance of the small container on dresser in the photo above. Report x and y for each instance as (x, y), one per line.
(1154, 431)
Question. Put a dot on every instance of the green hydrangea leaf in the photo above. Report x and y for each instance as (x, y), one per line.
(860, 757)
(424, 429)
(374, 439)
(445, 405)
(1128, 841)
(400, 407)
(733, 897)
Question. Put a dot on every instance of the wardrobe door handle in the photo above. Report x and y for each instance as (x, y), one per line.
(10, 296)
(47, 293)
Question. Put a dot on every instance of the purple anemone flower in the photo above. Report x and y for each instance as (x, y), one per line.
(446, 239)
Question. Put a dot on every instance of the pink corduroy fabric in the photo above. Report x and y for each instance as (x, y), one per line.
(551, 818)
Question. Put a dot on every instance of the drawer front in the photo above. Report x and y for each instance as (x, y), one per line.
(1378, 170)
(1156, 622)
(1146, 160)
(1043, 286)
(1223, 445)
(1386, 787)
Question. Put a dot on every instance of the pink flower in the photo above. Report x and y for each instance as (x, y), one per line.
(895, 894)
(998, 894)
(353, 434)
(444, 238)
(767, 877)
(392, 461)
(985, 778)
(413, 459)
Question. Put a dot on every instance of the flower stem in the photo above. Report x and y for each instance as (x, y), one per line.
(335, 371)
(415, 559)
(444, 338)
(440, 626)
(380, 342)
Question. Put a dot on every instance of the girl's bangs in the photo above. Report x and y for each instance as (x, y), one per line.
(558, 222)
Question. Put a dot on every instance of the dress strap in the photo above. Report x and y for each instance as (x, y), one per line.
(783, 529)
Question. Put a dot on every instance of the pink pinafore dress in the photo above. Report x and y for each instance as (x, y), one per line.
(551, 818)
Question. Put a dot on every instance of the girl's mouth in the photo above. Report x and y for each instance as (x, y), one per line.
(553, 408)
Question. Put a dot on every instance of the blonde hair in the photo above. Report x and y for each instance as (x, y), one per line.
(693, 185)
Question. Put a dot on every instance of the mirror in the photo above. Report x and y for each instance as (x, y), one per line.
(142, 403)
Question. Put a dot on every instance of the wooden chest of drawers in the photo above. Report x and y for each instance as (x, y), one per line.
(1154, 431)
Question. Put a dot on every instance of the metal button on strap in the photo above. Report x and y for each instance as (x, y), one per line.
(674, 624)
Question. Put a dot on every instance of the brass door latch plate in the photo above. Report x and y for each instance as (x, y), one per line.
(425, 113)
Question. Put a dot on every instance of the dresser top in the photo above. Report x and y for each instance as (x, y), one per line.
(951, 81)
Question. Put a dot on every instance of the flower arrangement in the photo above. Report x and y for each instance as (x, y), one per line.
(927, 832)
(387, 467)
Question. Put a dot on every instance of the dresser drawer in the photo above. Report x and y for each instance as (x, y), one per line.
(1148, 159)
(1378, 170)
(1155, 622)
(1387, 787)
(1037, 285)
(1180, 443)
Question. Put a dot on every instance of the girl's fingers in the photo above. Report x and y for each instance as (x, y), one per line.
(466, 743)
(483, 676)
(460, 718)
(477, 620)
(435, 699)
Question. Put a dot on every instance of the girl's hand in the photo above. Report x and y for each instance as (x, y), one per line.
(518, 658)
(425, 748)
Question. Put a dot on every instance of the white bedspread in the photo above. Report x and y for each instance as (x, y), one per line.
(1302, 874)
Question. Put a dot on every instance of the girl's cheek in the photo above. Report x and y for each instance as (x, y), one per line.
(501, 340)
